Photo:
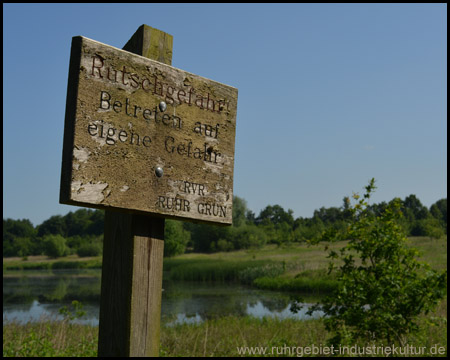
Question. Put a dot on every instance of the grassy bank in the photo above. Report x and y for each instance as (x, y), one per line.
(49, 338)
(223, 337)
(294, 267)
(215, 337)
(291, 268)
(45, 263)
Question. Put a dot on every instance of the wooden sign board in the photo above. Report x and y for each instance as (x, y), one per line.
(145, 137)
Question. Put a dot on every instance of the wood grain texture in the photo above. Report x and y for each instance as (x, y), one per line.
(151, 43)
(131, 289)
(116, 286)
(147, 285)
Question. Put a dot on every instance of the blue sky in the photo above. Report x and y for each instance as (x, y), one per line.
(330, 95)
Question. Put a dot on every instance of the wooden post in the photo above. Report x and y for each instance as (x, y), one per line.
(131, 288)
(174, 163)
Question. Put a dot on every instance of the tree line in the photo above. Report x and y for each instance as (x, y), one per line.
(81, 232)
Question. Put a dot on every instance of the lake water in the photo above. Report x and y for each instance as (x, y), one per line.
(27, 296)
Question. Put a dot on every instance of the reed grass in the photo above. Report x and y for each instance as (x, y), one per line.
(217, 270)
(70, 262)
(49, 338)
(310, 286)
(303, 269)
(220, 337)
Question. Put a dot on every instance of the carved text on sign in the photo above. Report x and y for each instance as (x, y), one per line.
(126, 116)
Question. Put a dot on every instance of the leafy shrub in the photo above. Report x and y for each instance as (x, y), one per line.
(175, 238)
(427, 227)
(248, 236)
(382, 287)
(55, 246)
(223, 245)
(92, 249)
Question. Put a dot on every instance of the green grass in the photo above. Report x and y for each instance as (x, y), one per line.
(217, 337)
(432, 251)
(222, 337)
(217, 270)
(302, 267)
(45, 263)
(294, 267)
(247, 265)
(49, 338)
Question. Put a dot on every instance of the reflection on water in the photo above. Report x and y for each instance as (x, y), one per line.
(28, 296)
(24, 313)
(185, 302)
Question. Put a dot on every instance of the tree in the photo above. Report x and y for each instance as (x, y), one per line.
(97, 223)
(378, 209)
(439, 211)
(204, 235)
(346, 210)
(53, 226)
(55, 246)
(430, 227)
(175, 238)
(329, 216)
(89, 249)
(239, 211)
(246, 237)
(250, 217)
(84, 222)
(77, 223)
(18, 237)
(308, 229)
(19, 228)
(275, 215)
(24, 246)
(382, 287)
(413, 208)
(89, 245)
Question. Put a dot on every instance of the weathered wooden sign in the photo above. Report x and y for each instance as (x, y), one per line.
(143, 136)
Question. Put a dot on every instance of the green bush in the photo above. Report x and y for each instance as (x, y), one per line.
(247, 237)
(382, 287)
(55, 246)
(223, 245)
(175, 238)
(428, 227)
(92, 249)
